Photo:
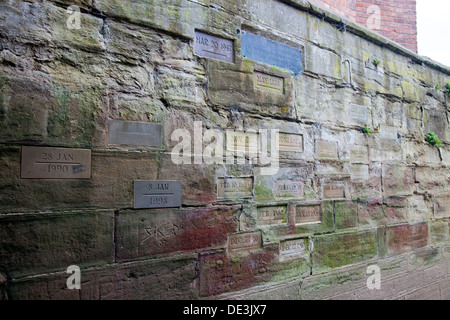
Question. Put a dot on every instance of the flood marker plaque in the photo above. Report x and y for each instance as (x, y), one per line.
(308, 214)
(289, 142)
(269, 82)
(157, 194)
(55, 163)
(326, 149)
(292, 249)
(135, 133)
(209, 46)
(333, 191)
(271, 215)
(228, 188)
(358, 113)
(244, 241)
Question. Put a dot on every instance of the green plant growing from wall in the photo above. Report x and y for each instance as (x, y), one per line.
(376, 63)
(433, 139)
(367, 130)
(447, 86)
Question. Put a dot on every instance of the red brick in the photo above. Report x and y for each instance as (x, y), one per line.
(146, 233)
(395, 15)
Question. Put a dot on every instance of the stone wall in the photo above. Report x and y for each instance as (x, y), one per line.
(339, 201)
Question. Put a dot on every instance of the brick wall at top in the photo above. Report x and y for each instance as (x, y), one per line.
(398, 19)
(347, 8)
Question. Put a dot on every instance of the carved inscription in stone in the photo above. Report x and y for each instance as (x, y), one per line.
(359, 154)
(291, 249)
(159, 233)
(271, 52)
(244, 241)
(333, 191)
(271, 215)
(288, 189)
(326, 149)
(308, 214)
(269, 82)
(359, 172)
(55, 163)
(209, 46)
(240, 141)
(388, 132)
(290, 142)
(157, 194)
(234, 188)
(358, 113)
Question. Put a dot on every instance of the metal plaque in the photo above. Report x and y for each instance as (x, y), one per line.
(209, 46)
(271, 52)
(55, 163)
(156, 194)
(135, 133)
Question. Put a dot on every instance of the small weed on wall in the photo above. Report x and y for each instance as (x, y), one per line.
(433, 139)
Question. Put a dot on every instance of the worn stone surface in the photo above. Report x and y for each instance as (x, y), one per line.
(36, 243)
(331, 251)
(151, 232)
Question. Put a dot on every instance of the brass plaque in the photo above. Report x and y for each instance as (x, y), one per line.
(55, 163)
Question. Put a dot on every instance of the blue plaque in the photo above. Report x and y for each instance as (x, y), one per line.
(271, 52)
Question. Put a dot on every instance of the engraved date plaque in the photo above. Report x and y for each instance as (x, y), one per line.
(209, 46)
(55, 163)
(156, 194)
